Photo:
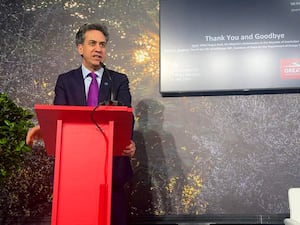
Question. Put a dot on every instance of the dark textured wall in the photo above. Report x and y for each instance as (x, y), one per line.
(198, 155)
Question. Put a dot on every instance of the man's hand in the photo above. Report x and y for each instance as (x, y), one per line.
(130, 150)
(33, 134)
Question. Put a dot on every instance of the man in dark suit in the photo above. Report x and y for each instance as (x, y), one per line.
(72, 89)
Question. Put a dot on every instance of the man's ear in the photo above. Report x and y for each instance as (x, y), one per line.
(80, 49)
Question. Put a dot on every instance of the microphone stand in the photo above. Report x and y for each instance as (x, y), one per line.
(112, 101)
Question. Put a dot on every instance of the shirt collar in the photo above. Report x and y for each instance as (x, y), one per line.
(86, 72)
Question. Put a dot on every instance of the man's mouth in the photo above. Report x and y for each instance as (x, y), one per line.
(97, 57)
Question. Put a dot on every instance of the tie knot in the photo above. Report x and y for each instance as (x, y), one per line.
(93, 75)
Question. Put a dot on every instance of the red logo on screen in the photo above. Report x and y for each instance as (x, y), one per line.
(290, 69)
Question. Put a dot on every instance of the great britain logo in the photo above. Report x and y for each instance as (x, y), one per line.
(290, 69)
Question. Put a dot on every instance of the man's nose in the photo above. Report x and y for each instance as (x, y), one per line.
(99, 47)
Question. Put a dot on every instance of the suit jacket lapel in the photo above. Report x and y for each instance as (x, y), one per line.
(105, 87)
(80, 89)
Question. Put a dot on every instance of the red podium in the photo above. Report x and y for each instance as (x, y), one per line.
(83, 140)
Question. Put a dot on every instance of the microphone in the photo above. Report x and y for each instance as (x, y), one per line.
(112, 101)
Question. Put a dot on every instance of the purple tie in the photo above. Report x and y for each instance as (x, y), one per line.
(92, 99)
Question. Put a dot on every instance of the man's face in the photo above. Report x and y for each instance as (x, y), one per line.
(93, 49)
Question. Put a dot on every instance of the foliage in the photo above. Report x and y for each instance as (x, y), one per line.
(25, 185)
(14, 124)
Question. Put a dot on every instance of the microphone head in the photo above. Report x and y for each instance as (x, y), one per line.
(102, 65)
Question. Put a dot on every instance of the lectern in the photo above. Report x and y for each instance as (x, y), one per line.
(83, 139)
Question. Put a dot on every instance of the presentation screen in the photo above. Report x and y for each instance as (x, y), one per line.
(229, 45)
